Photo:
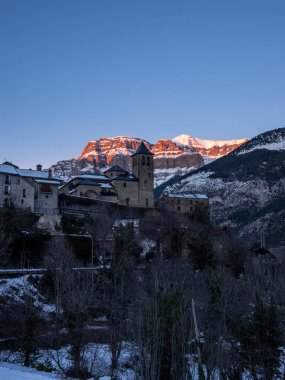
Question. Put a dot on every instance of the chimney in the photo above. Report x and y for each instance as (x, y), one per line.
(49, 173)
(39, 167)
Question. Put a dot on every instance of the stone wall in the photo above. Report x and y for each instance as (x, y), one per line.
(15, 189)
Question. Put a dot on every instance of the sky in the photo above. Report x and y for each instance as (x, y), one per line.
(75, 70)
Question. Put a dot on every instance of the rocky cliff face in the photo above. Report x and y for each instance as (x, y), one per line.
(246, 188)
(170, 157)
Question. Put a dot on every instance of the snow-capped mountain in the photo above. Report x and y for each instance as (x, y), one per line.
(171, 157)
(209, 148)
(246, 188)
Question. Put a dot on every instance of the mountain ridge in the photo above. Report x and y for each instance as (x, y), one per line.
(245, 188)
(170, 156)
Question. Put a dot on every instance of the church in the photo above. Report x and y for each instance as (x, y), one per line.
(117, 185)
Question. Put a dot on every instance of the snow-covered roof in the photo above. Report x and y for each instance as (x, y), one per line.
(94, 176)
(189, 196)
(8, 169)
(32, 173)
(115, 168)
(47, 181)
(124, 177)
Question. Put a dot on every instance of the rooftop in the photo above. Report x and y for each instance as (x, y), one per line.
(142, 149)
(115, 168)
(47, 181)
(189, 196)
(95, 177)
(8, 168)
(125, 177)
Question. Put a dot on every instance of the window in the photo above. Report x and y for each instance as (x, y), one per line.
(6, 200)
(149, 174)
(146, 202)
(145, 181)
(148, 161)
(45, 188)
(7, 180)
(111, 174)
(7, 190)
(127, 201)
(143, 160)
(191, 209)
(125, 185)
(179, 208)
(24, 193)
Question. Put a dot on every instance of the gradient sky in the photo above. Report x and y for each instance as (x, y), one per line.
(75, 70)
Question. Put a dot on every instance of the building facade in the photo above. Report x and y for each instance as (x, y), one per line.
(35, 190)
(185, 203)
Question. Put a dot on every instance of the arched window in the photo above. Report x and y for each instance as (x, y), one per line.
(125, 185)
(143, 160)
(148, 161)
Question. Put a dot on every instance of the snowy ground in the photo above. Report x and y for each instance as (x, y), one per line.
(97, 358)
(10, 371)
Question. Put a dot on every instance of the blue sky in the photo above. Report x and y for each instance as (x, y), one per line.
(74, 70)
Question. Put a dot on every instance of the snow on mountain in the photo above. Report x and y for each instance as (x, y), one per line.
(178, 157)
(245, 188)
(206, 144)
(269, 141)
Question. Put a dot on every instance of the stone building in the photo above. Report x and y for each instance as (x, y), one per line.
(117, 185)
(185, 203)
(35, 190)
(134, 189)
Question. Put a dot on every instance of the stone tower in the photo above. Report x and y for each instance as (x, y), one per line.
(142, 162)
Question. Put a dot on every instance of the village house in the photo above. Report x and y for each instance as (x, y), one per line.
(36, 190)
(185, 203)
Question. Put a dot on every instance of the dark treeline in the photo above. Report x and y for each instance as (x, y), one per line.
(191, 271)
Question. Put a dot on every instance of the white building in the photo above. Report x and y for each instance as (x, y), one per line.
(36, 190)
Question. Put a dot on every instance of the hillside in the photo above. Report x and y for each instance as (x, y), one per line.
(246, 188)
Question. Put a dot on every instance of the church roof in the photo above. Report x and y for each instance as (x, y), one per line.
(125, 177)
(115, 168)
(142, 149)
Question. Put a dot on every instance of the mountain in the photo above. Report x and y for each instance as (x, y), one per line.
(246, 188)
(212, 149)
(172, 157)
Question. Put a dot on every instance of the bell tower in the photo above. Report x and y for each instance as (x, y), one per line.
(142, 162)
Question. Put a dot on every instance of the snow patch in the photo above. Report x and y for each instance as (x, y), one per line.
(278, 145)
(205, 144)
